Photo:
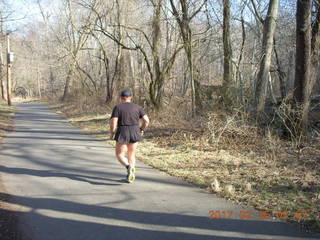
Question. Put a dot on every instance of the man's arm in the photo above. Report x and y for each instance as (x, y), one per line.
(113, 126)
(145, 123)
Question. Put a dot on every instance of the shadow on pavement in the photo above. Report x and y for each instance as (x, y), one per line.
(135, 224)
(51, 173)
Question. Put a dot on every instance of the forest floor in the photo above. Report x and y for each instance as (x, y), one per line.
(266, 173)
(8, 220)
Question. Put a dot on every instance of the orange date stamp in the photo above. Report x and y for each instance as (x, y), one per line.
(260, 214)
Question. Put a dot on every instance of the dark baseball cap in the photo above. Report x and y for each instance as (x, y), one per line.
(125, 93)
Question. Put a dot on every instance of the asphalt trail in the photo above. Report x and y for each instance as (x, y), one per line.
(67, 185)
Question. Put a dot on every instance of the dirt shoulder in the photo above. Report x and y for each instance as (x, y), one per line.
(229, 158)
(8, 219)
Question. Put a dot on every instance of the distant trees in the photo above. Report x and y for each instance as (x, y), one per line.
(207, 53)
(76, 37)
(158, 63)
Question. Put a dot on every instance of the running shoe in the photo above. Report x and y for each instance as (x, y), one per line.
(131, 174)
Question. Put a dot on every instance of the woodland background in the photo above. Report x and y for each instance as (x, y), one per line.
(201, 54)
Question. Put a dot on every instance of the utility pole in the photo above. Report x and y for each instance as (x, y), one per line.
(2, 64)
(1, 74)
(9, 61)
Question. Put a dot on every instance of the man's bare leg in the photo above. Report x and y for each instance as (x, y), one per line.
(121, 151)
(132, 154)
(132, 162)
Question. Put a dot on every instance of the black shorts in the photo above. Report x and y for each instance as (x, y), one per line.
(128, 134)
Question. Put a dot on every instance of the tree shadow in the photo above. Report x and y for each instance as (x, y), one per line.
(49, 218)
(60, 170)
(50, 173)
(93, 120)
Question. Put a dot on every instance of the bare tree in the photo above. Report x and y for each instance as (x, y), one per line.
(157, 66)
(184, 20)
(303, 48)
(227, 49)
(307, 54)
(76, 40)
(267, 47)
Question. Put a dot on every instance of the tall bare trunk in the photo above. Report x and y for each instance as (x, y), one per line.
(9, 87)
(227, 49)
(281, 73)
(267, 46)
(156, 83)
(1, 75)
(69, 79)
(66, 91)
(303, 49)
(307, 54)
(183, 19)
(303, 54)
(117, 75)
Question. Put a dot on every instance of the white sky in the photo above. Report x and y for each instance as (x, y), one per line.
(24, 12)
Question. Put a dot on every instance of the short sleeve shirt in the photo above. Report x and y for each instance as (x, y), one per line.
(128, 113)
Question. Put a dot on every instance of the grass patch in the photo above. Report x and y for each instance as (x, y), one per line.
(265, 173)
(6, 119)
(8, 220)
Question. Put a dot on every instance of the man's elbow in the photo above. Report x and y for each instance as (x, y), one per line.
(146, 119)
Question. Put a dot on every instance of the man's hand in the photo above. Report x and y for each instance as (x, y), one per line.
(145, 124)
(112, 135)
(113, 127)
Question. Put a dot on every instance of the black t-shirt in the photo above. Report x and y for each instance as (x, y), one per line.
(128, 113)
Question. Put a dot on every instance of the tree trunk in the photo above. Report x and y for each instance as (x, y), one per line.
(238, 75)
(290, 73)
(271, 91)
(1, 75)
(51, 81)
(192, 77)
(227, 49)
(158, 72)
(183, 20)
(109, 82)
(303, 48)
(303, 54)
(132, 74)
(70, 73)
(281, 73)
(156, 83)
(38, 81)
(267, 46)
(66, 91)
(9, 87)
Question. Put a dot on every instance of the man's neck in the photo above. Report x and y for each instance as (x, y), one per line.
(126, 99)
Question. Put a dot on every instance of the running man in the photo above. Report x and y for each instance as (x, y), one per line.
(126, 130)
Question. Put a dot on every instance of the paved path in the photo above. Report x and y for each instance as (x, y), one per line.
(67, 185)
